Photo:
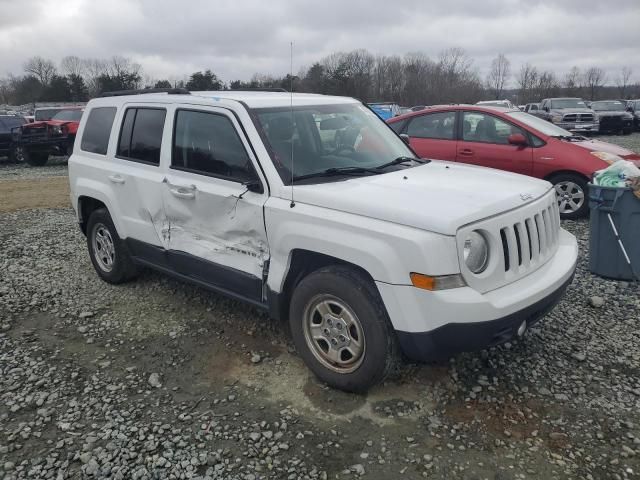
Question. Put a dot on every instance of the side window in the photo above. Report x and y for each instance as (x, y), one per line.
(398, 126)
(208, 143)
(433, 125)
(480, 127)
(97, 130)
(141, 135)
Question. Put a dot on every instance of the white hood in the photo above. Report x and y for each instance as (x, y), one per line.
(438, 196)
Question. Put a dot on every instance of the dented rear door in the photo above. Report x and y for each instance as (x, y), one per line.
(216, 225)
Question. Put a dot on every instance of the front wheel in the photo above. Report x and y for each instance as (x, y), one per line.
(571, 191)
(341, 329)
(17, 154)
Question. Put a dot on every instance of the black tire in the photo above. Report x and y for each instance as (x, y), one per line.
(35, 159)
(581, 183)
(122, 267)
(381, 354)
(17, 154)
(627, 131)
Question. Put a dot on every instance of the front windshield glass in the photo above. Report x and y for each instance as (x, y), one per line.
(327, 136)
(45, 113)
(68, 115)
(568, 103)
(541, 125)
(610, 106)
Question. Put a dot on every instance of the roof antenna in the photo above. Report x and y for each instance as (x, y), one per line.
(293, 203)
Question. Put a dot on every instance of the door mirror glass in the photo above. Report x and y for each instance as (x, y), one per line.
(517, 139)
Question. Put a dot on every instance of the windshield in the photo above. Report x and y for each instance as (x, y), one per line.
(45, 113)
(68, 115)
(327, 136)
(541, 125)
(610, 106)
(568, 103)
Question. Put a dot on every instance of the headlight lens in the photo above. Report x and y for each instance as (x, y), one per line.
(607, 157)
(476, 252)
(556, 118)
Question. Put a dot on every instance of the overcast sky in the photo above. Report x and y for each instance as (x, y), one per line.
(241, 37)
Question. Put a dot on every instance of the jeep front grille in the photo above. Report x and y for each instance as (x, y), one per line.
(530, 239)
(520, 242)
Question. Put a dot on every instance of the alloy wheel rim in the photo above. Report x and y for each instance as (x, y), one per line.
(570, 196)
(19, 155)
(103, 248)
(334, 334)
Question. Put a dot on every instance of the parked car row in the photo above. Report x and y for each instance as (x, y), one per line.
(52, 132)
(516, 141)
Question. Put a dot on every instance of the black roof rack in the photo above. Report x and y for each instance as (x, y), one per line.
(122, 93)
(248, 89)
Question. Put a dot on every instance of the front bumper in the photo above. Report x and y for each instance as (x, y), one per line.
(435, 325)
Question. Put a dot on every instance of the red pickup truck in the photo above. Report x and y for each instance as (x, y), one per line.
(34, 142)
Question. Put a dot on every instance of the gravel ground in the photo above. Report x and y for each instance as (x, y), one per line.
(160, 379)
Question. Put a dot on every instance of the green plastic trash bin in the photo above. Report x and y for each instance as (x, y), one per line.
(606, 250)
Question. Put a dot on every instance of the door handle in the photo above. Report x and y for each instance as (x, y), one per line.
(465, 151)
(116, 179)
(182, 192)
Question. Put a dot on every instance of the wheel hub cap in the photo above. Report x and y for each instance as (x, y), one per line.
(570, 196)
(334, 334)
(103, 248)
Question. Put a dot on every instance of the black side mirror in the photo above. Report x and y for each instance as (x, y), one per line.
(254, 186)
(405, 138)
(546, 109)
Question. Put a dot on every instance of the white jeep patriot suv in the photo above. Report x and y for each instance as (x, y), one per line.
(311, 208)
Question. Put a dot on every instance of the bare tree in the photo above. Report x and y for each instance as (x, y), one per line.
(72, 65)
(527, 80)
(622, 82)
(594, 78)
(573, 82)
(94, 68)
(498, 74)
(41, 68)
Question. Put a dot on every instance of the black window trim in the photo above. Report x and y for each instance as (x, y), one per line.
(405, 128)
(106, 153)
(124, 116)
(200, 172)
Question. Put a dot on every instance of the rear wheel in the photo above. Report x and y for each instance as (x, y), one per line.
(571, 191)
(109, 254)
(341, 329)
(35, 159)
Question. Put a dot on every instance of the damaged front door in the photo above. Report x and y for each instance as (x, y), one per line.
(216, 226)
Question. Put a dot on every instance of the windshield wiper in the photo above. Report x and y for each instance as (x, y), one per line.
(330, 172)
(399, 160)
(570, 138)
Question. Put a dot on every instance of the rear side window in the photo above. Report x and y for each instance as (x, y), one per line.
(433, 125)
(208, 143)
(97, 130)
(141, 135)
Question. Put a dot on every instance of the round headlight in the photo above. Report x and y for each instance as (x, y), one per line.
(476, 252)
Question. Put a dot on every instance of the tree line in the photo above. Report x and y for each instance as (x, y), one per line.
(410, 79)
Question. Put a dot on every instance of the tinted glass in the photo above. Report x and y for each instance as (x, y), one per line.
(97, 130)
(68, 115)
(125, 134)
(208, 143)
(145, 136)
(433, 125)
(11, 122)
(45, 114)
(480, 127)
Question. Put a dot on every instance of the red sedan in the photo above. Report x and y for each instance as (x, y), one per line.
(512, 140)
